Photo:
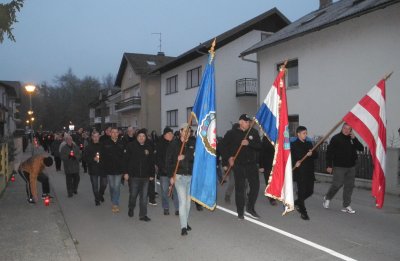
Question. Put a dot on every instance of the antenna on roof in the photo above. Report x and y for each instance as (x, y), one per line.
(160, 52)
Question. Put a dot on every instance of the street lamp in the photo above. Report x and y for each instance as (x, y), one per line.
(30, 88)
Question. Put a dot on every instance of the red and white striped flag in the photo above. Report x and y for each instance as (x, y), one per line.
(368, 119)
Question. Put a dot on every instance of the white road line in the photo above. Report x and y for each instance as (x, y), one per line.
(287, 234)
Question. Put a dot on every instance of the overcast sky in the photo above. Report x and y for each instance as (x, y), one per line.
(90, 36)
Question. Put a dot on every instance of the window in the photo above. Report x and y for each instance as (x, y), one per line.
(172, 85)
(193, 77)
(188, 112)
(172, 118)
(293, 124)
(292, 74)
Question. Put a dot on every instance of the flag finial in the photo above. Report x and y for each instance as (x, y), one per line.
(387, 76)
(211, 51)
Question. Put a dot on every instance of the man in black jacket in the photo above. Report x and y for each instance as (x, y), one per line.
(341, 158)
(91, 155)
(245, 165)
(303, 173)
(139, 164)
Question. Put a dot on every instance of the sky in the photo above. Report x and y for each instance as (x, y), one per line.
(90, 36)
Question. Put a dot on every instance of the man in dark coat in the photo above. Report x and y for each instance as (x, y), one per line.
(70, 154)
(303, 173)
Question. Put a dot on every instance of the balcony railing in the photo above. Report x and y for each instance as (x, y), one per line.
(246, 87)
(130, 103)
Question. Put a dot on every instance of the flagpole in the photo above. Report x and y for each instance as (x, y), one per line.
(387, 76)
(237, 153)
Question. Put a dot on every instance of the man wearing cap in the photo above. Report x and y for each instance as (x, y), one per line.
(183, 178)
(245, 164)
(162, 146)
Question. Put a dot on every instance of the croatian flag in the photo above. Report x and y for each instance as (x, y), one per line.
(368, 119)
(273, 119)
(204, 176)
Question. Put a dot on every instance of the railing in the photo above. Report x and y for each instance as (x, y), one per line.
(130, 103)
(363, 166)
(97, 120)
(246, 87)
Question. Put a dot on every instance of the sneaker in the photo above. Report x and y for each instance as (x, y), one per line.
(115, 209)
(145, 218)
(31, 201)
(130, 212)
(349, 210)
(240, 217)
(176, 212)
(252, 213)
(326, 202)
(166, 212)
(153, 203)
(184, 232)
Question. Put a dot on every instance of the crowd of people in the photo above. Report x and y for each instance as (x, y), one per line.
(139, 159)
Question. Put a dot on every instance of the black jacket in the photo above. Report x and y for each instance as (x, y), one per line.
(298, 150)
(342, 151)
(88, 156)
(112, 157)
(186, 165)
(161, 154)
(139, 160)
(231, 143)
(267, 153)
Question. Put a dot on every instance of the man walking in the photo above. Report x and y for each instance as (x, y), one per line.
(70, 155)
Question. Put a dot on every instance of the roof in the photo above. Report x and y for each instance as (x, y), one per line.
(270, 21)
(333, 14)
(142, 64)
(13, 88)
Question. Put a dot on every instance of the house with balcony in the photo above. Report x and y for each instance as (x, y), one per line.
(335, 54)
(102, 110)
(9, 103)
(235, 78)
(139, 106)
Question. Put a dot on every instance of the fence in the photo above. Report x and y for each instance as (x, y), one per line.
(363, 167)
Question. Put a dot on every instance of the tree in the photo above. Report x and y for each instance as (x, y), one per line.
(8, 18)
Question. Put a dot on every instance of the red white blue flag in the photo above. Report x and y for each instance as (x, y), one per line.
(272, 117)
(368, 119)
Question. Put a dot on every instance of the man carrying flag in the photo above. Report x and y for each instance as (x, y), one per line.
(272, 117)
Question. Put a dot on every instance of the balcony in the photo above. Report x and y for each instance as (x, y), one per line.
(132, 103)
(246, 87)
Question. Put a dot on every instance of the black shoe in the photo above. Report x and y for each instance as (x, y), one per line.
(252, 213)
(240, 217)
(297, 207)
(176, 212)
(188, 228)
(130, 212)
(31, 201)
(97, 203)
(199, 207)
(184, 232)
(70, 195)
(46, 195)
(101, 198)
(75, 192)
(166, 212)
(304, 216)
(272, 201)
(145, 218)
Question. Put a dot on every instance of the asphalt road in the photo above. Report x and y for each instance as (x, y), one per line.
(370, 234)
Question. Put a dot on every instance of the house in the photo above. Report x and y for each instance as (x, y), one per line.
(335, 54)
(236, 79)
(140, 90)
(9, 103)
(102, 110)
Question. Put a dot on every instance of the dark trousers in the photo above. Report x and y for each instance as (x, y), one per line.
(84, 166)
(72, 180)
(151, 191)
(305, 188)
(243, 172)
(138, 186)
(99, 185)
(42, 178)
(57, 160)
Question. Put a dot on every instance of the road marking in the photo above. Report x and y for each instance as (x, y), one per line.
(287, 234)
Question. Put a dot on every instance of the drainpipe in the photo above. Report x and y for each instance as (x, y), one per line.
(258, 77)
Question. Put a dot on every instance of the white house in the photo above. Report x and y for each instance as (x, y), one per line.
(102, 110)
(236, 80)
(336, 55)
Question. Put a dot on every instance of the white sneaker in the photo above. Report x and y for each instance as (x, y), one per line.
(326, 203)
(349, 210)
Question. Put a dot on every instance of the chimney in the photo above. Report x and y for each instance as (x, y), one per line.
(161, 54)
(324, 3)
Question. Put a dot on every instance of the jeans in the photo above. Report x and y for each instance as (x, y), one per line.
(151, 191)
(98, 192)
(115, 184)
(342, 177)
(182, 185)
(164, 182)
(138, 186)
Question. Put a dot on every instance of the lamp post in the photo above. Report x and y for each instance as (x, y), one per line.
(30, 88)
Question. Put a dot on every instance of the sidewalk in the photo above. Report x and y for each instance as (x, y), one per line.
(33, 231)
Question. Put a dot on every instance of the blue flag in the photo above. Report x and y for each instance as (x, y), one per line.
(204, 176)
